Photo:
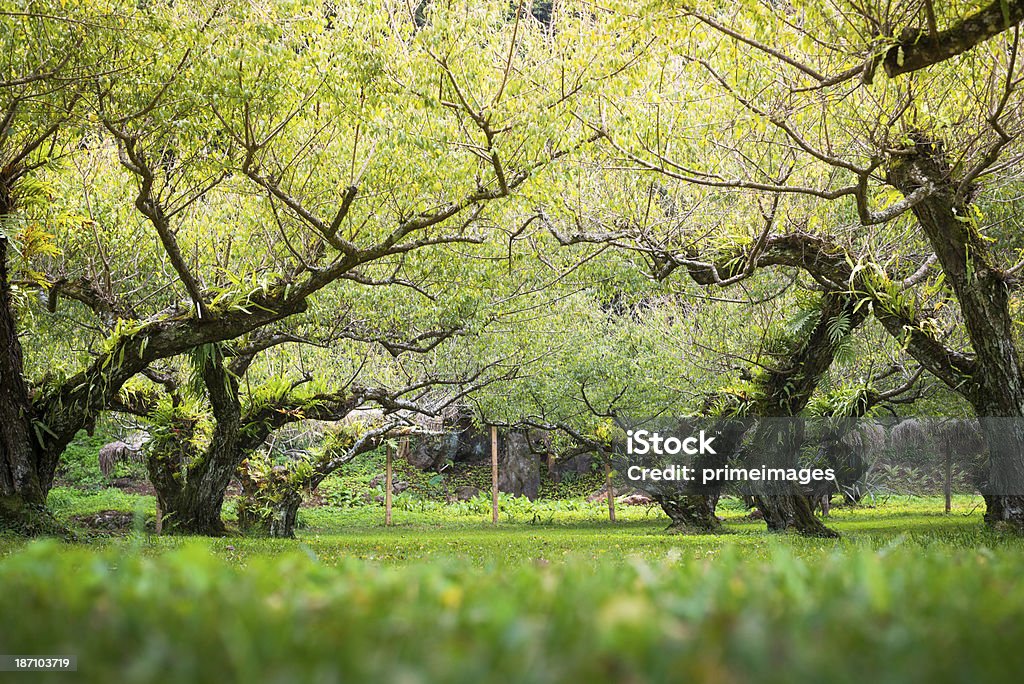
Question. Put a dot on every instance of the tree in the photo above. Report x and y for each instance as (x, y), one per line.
(272, 493)
(782, 390)
(204, 430)
(346, 146)
(859, 160)
(40, 53)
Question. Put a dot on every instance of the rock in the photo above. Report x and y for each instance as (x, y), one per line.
(518, 469)
(430, 452)
(602, 494)
(637, 500)
(579, 464)
(462, 442)
(474, 446)
(107, 521)
(465, 493)
(397, 486)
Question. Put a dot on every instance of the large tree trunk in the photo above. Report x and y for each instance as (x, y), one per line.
(270, 500)
(18, 475)
(277, 519)
(193, 507)
(786, 391)
(190, 486)
(694, 513)
(776, 443)
(190, 495)
(1003, 490)
(995, 387)
(782, 513)
(268, 507)
(23, 487)
(1004, 510)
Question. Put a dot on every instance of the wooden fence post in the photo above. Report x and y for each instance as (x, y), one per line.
(494, 474)
(611, 490)
(387, 484)
(949, 479)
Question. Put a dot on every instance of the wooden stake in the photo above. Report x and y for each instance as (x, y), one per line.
(949, 479)
(387, 485)
(610, 489)
(494, 474)
(159, 518)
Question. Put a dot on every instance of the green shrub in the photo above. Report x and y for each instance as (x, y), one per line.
(894, 615)
(68, 501)
(79, 465)
(572, 485)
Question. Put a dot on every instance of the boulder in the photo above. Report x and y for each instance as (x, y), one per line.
(518, 468)
(462, 441)
(108, 521)
(637, 499)
(430, 452)
(397, 486)
(578, 464)
(465, 493)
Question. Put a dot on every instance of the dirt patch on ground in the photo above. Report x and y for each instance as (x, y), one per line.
(108, 522)
(131, 485)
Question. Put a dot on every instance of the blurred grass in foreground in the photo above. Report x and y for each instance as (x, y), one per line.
(895, 614)
(908, 594)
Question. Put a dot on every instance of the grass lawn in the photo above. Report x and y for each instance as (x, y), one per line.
(561, 531)
(908, 594)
